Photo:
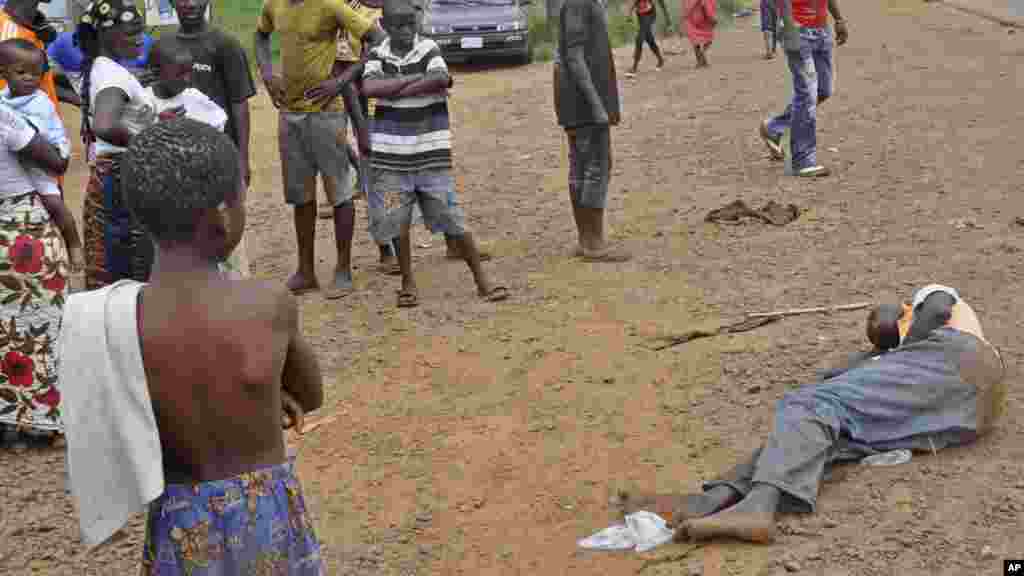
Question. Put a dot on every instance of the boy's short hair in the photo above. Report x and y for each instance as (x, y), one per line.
(390, 5)
(883, 326)
(172, 171)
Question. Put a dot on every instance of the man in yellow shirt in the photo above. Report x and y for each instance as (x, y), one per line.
(312, 126)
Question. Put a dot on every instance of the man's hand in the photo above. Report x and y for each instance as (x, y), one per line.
(275, 87)
(842, 34)
(293, 416)
(326, 90)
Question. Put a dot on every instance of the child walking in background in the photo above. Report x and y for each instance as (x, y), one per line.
(410, 142)
(701, 20)
(23, 65)
(646, 15)
(769, 25)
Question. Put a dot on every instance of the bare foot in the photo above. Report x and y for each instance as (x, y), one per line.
(678, 508)
(300, 284)
(749, 521)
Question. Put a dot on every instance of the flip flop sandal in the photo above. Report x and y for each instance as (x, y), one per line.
(497, 294)
(608, 256)
(336, 292)
(774, 145)
(484, 256)
(408, 300)
(303, 290)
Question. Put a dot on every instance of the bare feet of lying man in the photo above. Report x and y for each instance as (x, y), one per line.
(752, 520)
(676, 509)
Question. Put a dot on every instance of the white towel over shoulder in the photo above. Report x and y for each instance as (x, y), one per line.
(114, 456)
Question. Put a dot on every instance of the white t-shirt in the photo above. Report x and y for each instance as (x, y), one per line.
(15, 134)
(139, 111)
(198, 107)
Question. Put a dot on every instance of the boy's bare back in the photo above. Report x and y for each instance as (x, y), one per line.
(214, 351)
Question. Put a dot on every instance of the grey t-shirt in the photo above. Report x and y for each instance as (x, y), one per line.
(583, 23)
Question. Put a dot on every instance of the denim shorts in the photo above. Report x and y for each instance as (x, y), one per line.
(590, 164)
(395, 194)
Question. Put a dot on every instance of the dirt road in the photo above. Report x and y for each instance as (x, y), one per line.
(474, 438)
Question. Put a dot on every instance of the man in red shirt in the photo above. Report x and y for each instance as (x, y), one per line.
(807, 40)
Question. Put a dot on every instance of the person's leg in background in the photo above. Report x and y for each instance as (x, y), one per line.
(299, 178)
(650, 38)
(804, 129)
(329, 139)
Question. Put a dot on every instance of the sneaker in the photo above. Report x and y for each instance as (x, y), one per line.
(813, 172)
(773, 143)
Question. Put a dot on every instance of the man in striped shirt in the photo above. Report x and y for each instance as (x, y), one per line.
(411, 148)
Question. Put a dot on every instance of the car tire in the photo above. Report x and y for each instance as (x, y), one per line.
(526, 57)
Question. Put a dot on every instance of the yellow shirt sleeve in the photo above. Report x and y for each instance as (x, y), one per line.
(265, 24)
(355, 23)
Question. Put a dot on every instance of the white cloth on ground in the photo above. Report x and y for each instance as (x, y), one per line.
(642, 531)
(114, 456)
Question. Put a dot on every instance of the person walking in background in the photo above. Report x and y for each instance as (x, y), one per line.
(807, 40)
(701, 19)
(769, 25)
(646, 15)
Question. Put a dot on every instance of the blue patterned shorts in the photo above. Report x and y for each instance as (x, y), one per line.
(255, 524)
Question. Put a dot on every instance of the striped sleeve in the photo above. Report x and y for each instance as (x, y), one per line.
(435, 61)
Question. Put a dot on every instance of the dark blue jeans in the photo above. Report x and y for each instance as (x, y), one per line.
(812, 83)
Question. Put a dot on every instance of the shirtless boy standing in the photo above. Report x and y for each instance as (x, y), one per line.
(232, 503)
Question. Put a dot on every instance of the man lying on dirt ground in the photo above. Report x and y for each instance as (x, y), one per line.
(942, 386)
(313, 132)
(587, 104)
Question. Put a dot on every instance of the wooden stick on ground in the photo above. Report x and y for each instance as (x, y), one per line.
(815, 310)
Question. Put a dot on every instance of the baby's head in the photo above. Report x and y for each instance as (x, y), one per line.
(22, 64)
(884, 326)
(173, 63)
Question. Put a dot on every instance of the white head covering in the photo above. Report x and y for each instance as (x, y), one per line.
(930, 289)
